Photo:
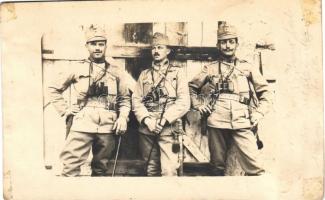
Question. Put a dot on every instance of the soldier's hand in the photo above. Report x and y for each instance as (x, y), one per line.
(205, 109)
(72, 110)
(256, 117)
(120, 126)
(150, 123)
(158, 128)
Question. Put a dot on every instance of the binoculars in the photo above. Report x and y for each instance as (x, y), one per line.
(97, 90)
(155, 94)
(225, 86)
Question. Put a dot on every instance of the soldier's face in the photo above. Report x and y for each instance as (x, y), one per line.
(159, 52)
(96, 49)
(228, 47)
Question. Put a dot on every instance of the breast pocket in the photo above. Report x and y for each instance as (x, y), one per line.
(241, 84)
(171, 86)
(214, 79)
(147, 85)
(81, 86)
(111, 82)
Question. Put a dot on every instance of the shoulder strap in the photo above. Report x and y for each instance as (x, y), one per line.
(252, 92)
(164, 76)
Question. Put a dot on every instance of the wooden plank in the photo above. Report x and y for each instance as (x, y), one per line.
(194, 150)
(69, 43)
(178, 53)
(159, 27)
(197, 169)
(129, 167)
(177, 33)
(124, 167)
(195, 37)
(138, 33)
(209, 33)
(53, 124)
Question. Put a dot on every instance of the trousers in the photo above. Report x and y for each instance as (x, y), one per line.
(163, 161)
(77, 149)
(219, 141)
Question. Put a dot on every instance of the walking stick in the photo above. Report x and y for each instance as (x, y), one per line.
(156, 136)
(181, 155)
(68, 123)
(117, 152)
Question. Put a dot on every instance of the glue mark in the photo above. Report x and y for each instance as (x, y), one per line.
(8, 12)
(7, 186)
(311, 11)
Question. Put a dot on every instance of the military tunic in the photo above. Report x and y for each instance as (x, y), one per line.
(162, 160)
(230, 117)
(101, 94)
(175, 84)
(229, 112)
(107, 104)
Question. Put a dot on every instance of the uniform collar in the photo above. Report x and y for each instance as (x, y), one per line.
(97, 64)
(161, 66)
(232, 60)
(97, 61)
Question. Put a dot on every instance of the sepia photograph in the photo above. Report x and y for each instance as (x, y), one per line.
(192, 84)
(162, 100)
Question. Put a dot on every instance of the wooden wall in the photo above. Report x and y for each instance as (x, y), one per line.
(193, 46)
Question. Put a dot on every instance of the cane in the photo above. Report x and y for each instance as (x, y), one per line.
(259, 142)
(117, 152)
(156, 136)
(68, 122)
(181, 155)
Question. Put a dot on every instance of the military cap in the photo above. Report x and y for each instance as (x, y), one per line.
(159, 38)
(95, 33)
(226, 31)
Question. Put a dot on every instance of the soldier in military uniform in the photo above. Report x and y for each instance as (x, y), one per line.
(161, 98)
(100, 104)
(240, 99)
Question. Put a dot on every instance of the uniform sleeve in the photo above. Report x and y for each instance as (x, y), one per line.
(182, 102)
(56, 89)
(138, 107)
(123, 95)
(263, 92)
(195, 86)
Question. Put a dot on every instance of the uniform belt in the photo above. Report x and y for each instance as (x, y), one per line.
(157, 106)
(236, 97)
(97, 103)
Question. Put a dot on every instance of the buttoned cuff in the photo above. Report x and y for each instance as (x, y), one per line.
(143, 117)
(169, 118)
(142, 121)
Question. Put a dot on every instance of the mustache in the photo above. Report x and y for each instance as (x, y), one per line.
(156, 54)
(228, 49)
